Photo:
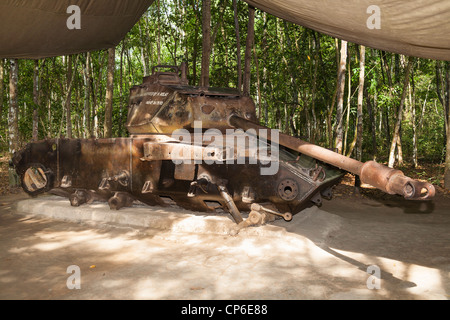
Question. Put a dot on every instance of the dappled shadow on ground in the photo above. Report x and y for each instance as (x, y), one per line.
(409, 240)
(361, 245)
(321, 254)
(129, 264)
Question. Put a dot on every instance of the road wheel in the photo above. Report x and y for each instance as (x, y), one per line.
(37, 179)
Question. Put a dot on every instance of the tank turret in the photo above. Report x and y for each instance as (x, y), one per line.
(165, 102)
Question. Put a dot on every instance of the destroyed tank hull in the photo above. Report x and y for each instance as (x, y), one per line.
(119, 171)
(187, 147)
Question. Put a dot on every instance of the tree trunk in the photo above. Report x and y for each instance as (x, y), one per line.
(349, 94)
(248, 50)
(398, 123)
(447, 163)
(359, 112)
(121, 109)
(13, 114)
(219, 24)
(226, 53)
(265, 80)
(206, 42)
(109, 93)
(316, 44)
(399, 147)
(87, 97)
(158, 41)
(238, 46)
(447, 115)
(340, 96)
(69, 98)
(443, 93)
(258, 81)
(48, 103)
(330, 136)
(385, 66)
(291, 67)
(144, 55)
(371, 111)
(422, 114)
(194, 57)
(96, 92)
(35, 100)
(412, 98)
(2, 76)
(329, 117)
(357, 139)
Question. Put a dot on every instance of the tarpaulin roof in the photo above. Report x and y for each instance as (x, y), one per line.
(419, 28)
(39, 28)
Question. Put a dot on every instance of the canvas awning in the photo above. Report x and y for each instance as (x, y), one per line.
(38, 28)
(419, 28)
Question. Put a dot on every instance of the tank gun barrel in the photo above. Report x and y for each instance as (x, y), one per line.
(389, 180)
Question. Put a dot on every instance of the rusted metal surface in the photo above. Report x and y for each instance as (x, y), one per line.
(229, 203)
(163, 103)
(158, 167)
(258, 207)
(395, 182)
(384, 178)
(99, 168)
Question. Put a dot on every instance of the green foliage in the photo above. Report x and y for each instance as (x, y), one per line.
(297, 72)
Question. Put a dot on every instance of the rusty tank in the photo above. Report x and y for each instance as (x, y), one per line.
(200, 149)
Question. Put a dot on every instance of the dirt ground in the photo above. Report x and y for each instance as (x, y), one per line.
(356, 246)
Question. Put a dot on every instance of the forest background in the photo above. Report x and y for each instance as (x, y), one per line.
(364, 103)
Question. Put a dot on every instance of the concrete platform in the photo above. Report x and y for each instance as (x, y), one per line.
(170, 219)
(141, 216)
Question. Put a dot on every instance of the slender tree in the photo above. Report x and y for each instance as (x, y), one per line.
(109, 93)
(2, 75)
(346, 128)
(398, 122)
(206, 42)
(68, 97)
(443, 93)
(35, 100)
(358, 139)
(70, 78)
(158, 41)
(371, 112)
(13, 114)
(258, 81)
(248, 50)
(412, 99)
(87, 96)
(340, 96)
(238, 46)
(386, 70)
(291, 66)
(359, 112)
